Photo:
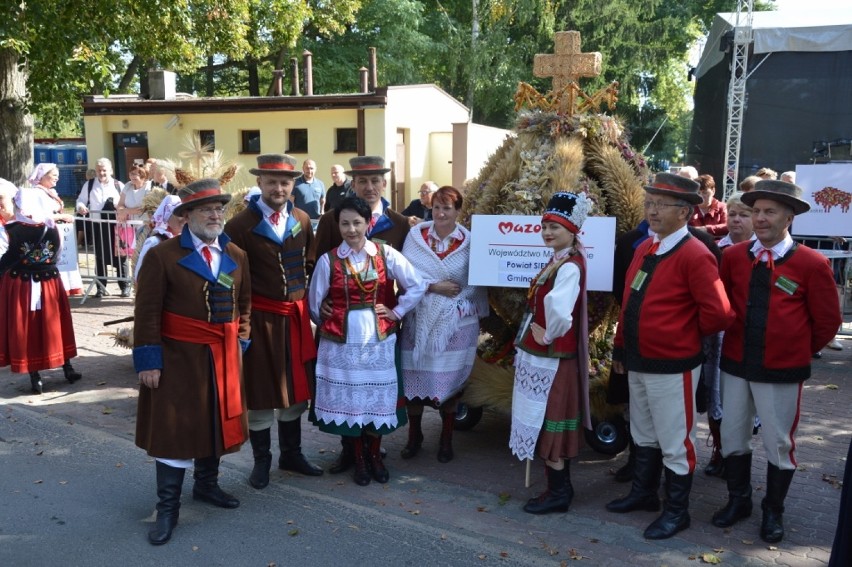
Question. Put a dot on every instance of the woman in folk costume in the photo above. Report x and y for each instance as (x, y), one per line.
(44, 177)
(439, 336)
(357, 390)
(32, 296)
(166, 225)
(550, 400)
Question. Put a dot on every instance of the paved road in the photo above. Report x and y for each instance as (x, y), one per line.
(74, 490)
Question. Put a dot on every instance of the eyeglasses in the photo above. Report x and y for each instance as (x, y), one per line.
(649, 205)
(210, 211)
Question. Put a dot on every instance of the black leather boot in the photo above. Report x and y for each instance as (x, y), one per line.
(290, 442)
(716, 466)
(445, 446)
(260, 445)
(359, 459)
(374, 460)
(777, 484)
(415, 435)
(70, 374)
(625, 473)
(347, 455)
(557, 497)
(643, 495)
(169, 485)
(206, 486)
(36, 385)
(675, 516)
(738, 476)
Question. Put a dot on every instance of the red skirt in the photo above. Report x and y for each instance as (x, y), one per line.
(34, 340)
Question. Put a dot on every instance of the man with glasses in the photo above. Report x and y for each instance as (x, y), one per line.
(672, 298)
(279, 366)
(191, 322)
(420, 209)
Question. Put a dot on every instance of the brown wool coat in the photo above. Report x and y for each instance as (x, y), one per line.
(177, 420)
(268, 379)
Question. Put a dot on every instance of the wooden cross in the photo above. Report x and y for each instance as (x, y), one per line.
(568, 63)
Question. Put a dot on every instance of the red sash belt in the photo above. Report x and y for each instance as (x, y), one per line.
(223, 340)
(302, 346)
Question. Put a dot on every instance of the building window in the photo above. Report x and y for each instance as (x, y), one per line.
(208, 138)
(250, 142)
(297, 141)
(347, 140)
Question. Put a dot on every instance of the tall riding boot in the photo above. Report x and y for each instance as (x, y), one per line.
(260, 445)
(738, 475)
(415, 434)
(777, 484)
(625, 473)
(557, 497)
(380, 473)
(206, 486)
(290, 441)
(675, 516)
(445, 447)
(359, 459)
(716, 466)
(347, 456)
(70, 374)
(646, 482)
(169, 485)
(35, 383)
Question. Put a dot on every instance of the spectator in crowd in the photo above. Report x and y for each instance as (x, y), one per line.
(766, 173)
(130, 209)
(550, 399)
(37, 332)
(357, 382)
(786, 308)
(673, 281)
(275, 236)
(191, 321)
(689, 172)
(747, 184)
(97, 200)
(166, 225)
(788, 177)
(309, 192)
(340, 188)
(420, 209)
(440, 335)
(710, 214)
(157, 174)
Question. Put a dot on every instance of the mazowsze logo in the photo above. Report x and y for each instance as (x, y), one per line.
(509, 226)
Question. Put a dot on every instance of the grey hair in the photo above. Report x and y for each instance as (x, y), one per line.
(104, 162)
(736, 200)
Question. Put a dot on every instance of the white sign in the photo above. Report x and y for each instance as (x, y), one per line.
(507, 250)
(828, 188)
(67, 259)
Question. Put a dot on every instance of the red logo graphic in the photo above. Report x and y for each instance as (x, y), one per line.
(508, 226)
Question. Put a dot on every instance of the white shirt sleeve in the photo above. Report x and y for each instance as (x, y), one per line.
(407, 278)
(559, 302)
(319, 287)
(149, 243)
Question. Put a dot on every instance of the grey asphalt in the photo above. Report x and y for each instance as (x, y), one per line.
(74, 490)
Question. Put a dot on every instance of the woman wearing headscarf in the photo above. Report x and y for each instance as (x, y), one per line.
(166, 225)
(31, 295)
(44, 178)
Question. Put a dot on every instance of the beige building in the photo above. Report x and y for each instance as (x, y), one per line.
(423, 132)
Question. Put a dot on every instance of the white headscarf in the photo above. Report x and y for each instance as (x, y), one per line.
(33, 206)
(164, 213)
(40, 171)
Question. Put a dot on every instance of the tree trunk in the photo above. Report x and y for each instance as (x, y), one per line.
(253, 80)
(129, 75)
(16, 124)
(209, 76)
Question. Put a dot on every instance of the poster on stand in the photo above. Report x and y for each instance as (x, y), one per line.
(828, 188)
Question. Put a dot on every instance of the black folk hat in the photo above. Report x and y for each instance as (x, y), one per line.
(675, 186)
(367, 165)
(568, 209)
(276, 164)
(199, 193)
(780, 191)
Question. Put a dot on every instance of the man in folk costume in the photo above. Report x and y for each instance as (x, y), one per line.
(387, 227)
(550, 398)
(786, 308)
(278, 368)
(672, 298)
(191, 325)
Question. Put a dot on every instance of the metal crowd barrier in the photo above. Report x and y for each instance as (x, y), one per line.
(104, 248)
(839, 255)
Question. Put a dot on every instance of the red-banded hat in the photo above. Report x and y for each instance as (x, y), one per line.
(199, 193)
(276, 164)
(367, 165)
(675, 186)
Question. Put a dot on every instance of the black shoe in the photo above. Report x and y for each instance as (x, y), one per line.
(290, 442)
(70, 374)
(675, 516)
(347, 456)
(647, 468)
(738, 476)
(625, 473)
(777, 484)
(126, 292)
(362, 474)
(260, 445)
(169, 485)
(36, 385)
(557, 497)
(206, 486)
(374, 460)
(415, 437)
